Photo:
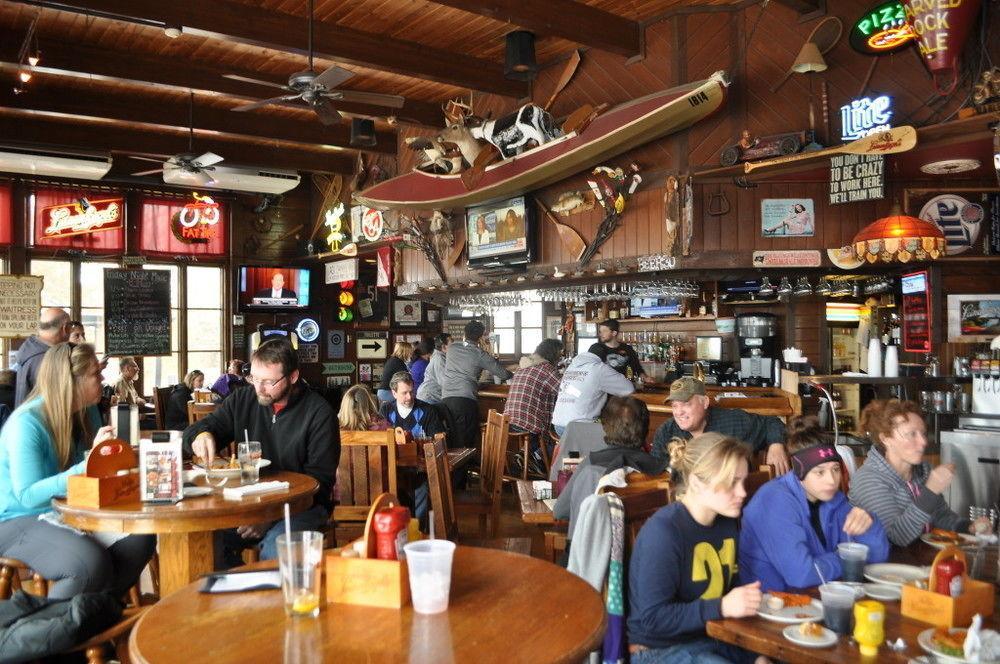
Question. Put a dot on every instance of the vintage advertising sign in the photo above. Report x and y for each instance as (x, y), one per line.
(941, 28)
(856, 177)
(338, 272)
(787, 217)
(82, 217)
(367, 224)
(793, 258)
(20, 301)
(308, 353)
(407, 312)
(964, 215)
(197, 222)
(335, 344)
(882, 29)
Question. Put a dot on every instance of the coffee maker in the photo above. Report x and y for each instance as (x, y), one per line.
(758, 348)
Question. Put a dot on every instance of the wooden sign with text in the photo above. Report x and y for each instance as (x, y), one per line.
(20, 301)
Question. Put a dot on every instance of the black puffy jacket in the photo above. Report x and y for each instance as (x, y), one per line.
(32, 627)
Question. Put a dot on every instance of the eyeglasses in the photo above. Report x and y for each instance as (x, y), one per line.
(266, 384)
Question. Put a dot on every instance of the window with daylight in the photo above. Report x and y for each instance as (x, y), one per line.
(518, 331)
(204, 321)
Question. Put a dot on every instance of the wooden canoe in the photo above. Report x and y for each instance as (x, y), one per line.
(616, 131)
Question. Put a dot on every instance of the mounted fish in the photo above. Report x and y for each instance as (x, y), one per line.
(573, 202)
(671, 214)
(440, 228)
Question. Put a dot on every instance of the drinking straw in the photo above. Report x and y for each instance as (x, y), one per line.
(288, 532)
(430, 521)
(816, 565)
(246, 437)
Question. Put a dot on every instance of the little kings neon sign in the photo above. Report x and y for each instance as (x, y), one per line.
(865, 116)
(196, 222)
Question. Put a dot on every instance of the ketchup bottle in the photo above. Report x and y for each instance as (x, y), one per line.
(948, 574)
(390, 525)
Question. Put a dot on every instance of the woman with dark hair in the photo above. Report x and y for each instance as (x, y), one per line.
(419, 360)
(793, 524)
(896, 484)
(41, 446)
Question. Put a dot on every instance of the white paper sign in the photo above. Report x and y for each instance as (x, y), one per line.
(20, 303)
(340, 271)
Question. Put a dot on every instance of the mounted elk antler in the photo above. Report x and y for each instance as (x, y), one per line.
(427, 235)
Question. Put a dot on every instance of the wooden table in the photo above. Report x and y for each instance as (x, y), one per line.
(536, 512)
(764, 637)
(458, 458)
(497, 613)
(184, 529)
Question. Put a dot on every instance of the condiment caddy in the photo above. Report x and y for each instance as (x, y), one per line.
(931, 605)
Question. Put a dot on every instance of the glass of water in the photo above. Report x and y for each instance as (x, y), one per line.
(248, 455)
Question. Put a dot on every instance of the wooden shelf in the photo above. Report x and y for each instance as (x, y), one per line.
(881, 380)
(677, 319)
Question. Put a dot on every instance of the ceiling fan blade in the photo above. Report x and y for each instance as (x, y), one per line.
(207, 159)
(256, 81)
(264, 102)
(373, 98)
(141, 173)
(328, 115)
(333, 77)
(155, 161)
(202, 178)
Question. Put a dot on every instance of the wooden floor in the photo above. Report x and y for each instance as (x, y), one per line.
(510, 522)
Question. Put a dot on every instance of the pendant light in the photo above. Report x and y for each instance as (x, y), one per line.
(899, 237)
(766, 289)
(785, 287)
(519, 64)
(362, 133)
(823, 287)
(802, 287)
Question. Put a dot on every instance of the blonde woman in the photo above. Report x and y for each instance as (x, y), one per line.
(683, 570)
(401, 354)
(41, 446)
(359, 412)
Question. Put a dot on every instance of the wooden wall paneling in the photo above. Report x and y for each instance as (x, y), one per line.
(744, 201)
(710, 222)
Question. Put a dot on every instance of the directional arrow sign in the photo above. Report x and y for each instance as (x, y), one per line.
(371, 348)
(338, 368)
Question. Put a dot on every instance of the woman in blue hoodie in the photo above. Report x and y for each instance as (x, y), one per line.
(794, 523)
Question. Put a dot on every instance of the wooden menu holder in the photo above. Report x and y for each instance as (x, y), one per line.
(943, 610)
(368, 581)
(406, 448)
(104, 483)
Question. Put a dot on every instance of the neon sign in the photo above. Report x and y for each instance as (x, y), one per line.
(882, 29)
(82, 217)
(195, 223)
(865, 116)
(335, 222)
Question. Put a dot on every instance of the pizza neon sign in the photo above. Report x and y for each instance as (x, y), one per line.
(82, 217)
(196, 222)
(882, 29)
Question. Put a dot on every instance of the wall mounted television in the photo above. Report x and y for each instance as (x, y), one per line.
(499, 234)
(272, 288)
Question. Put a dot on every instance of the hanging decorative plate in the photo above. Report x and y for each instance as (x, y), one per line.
(957, 218)
(844, 258)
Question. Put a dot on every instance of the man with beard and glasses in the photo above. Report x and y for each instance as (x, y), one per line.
(297, 430)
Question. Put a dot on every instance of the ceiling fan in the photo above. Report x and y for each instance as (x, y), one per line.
(317, 90)
(189, 162)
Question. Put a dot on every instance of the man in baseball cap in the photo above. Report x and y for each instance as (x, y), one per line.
(693, 414)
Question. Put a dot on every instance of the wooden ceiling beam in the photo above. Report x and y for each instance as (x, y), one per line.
(236, 22)
(127, 140)
(568, 19)
(87, 61)
(41, 97)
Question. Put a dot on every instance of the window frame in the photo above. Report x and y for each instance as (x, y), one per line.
(518, 329)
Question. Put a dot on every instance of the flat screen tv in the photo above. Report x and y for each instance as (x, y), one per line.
(272, 288)
(499, 233)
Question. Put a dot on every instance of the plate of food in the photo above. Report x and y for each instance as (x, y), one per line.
(226, 467)
(939, 538)
(895, 574)
(810, 635)
(789, 608)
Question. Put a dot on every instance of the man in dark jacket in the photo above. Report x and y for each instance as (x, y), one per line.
(297, 430)
(53, 328)
(408, 412)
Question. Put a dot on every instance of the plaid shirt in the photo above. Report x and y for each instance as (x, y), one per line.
(532, 397)
(758, 431)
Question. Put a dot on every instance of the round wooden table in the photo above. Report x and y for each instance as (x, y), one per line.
(184, 529)
(503, 607)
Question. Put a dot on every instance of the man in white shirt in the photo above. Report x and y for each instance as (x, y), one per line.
(584, 388)
(277, 290)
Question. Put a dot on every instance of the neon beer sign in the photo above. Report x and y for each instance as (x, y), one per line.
(865, 116)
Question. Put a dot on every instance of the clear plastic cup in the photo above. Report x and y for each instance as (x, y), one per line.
(853, 556)
(299, 563)
(838, 605)
(248, 454)
(429, 563)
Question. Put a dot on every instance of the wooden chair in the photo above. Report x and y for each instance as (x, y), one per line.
(161, 396)
(519, 448)
(116, 636)
(757, 479)
(16, 575)
(639, 506)
(443, 504)
(367, 469)
(486, 502)
(197, 411)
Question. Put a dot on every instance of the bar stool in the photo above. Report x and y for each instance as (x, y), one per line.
(519, 449)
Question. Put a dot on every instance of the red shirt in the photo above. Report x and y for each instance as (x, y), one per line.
(532, 397)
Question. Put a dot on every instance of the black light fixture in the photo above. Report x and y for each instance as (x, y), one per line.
(362, 133)
(520, 61)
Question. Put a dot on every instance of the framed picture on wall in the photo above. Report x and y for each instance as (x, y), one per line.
(787, 217)
(552, 326)
(407, 312)
(969, 218)
(973, 318)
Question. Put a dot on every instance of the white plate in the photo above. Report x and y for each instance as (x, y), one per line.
(791, 614)
(924, 639)
(827, 639)
(196, 491)
(232, 472)
(895, 574)
(882, 592)
(966, 539)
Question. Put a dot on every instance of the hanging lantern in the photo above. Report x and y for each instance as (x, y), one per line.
(941, 29)
(899, 237)
(362, 133)
(519, 63)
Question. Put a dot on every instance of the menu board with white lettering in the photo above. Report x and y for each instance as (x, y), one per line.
(137, 312)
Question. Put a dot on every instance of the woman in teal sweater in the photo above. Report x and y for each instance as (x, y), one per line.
(41, 446)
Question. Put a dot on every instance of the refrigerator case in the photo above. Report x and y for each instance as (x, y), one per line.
(976, 455)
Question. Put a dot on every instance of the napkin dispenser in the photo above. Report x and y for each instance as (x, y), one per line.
(110, 477)
(940, 610)
(367, 580)
(125, 423)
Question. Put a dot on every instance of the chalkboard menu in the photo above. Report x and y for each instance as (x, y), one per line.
(136, 312)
